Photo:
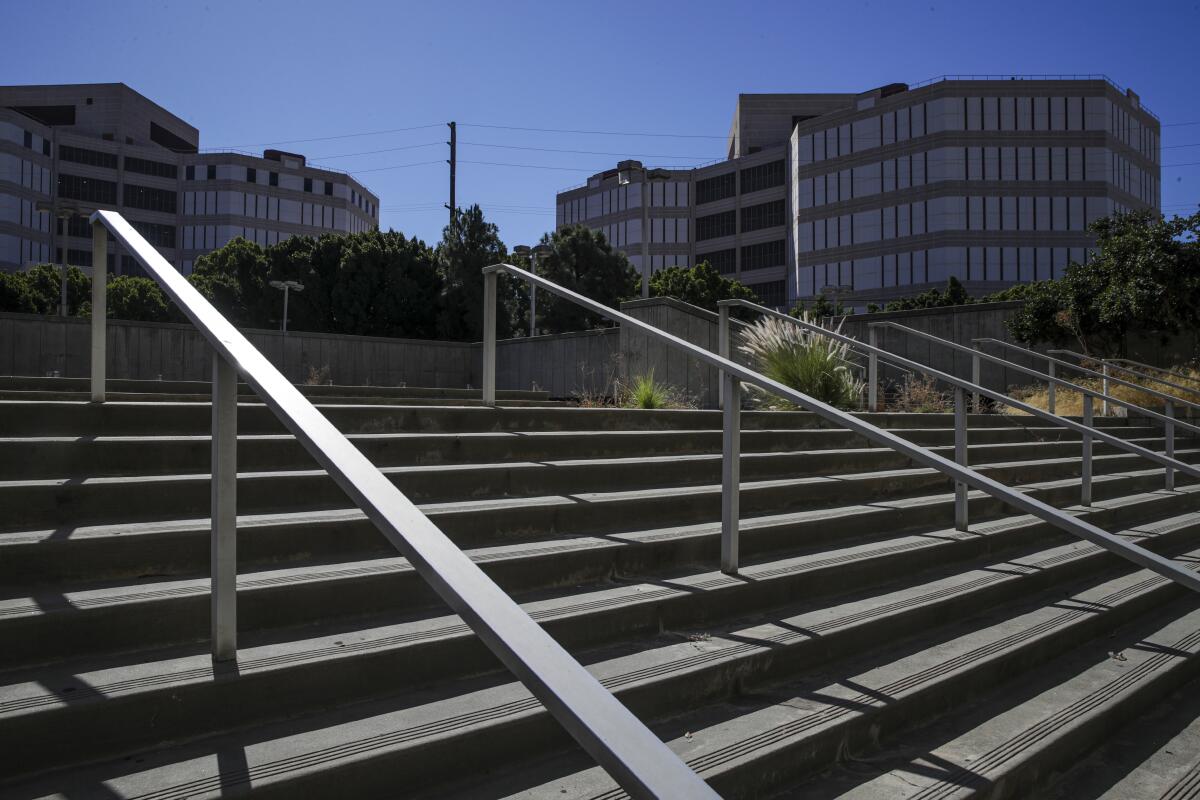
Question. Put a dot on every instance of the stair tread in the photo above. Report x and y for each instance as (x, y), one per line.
(280, 752)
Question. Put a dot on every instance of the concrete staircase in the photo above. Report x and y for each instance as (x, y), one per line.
(867, 649)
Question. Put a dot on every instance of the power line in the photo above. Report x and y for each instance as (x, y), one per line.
(340, 136)
(530, 166)
(595, 133)
(1177, 146)
(1177, 124)
(375, 152)
(396, 166)
(583, 152)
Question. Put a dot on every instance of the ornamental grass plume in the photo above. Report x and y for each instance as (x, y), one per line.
(802, 359)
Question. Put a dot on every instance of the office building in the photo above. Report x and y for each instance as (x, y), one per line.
(67, 150)
(887, 193)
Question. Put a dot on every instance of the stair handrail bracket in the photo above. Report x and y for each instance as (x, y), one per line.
(733, 374)
(636, 758)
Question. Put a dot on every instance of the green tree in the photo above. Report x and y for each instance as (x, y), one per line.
(387, 285)
(1144, 276)
(234, 279)
(15, 294)
(700, 286)
(819, 307)
(45, 285)
(583, 261)
(469, 243)
(138, 299)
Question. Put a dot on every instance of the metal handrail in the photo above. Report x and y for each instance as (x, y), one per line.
(734, 374)
(1140, 365)
(1058, 362)
(879, 353)
(609, 732)
(1049, 377)
(1115, 363)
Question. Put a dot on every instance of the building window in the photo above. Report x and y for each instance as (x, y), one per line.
(91, 190)
(212, 172)
(723, 261)
(765, 215)
(190, 172)
(329, 188)
(714, 225)
(251, 175)
(149, 199)
(716, 188)
(156, 234)
(769, 294)
(308, 185)
(147, 167)
(764, 176)
(273, 178)
(45, 147)
(28, 140)
(758, 256)
(82, 155)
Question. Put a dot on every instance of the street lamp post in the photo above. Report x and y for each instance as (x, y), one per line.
(533, 253)
(286, 287)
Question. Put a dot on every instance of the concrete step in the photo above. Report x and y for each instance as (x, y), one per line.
(31, 557)
(72, 418)
(56, 620)
(748, 744)
(1012, 746)
(1155, 756)
(776, 734)
(19, 383)
(59, 502)
(103, 456)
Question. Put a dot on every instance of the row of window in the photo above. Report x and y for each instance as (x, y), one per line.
(29, 143)
(753, 179)
(89, 190)
(977, 114)
(935, 266)
(724, 223)
(1030, 164)
(149, 199)
(772, 294)
(146, 166)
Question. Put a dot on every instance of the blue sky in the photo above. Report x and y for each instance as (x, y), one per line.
(258, 72)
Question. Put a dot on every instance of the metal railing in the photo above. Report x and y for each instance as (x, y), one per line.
(1104, 375)
(1086, 428)
(1088, 395)
(733, 375)
(1140, 370)
(610, 733)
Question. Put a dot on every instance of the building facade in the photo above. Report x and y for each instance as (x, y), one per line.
(888, 193)
(68, 150)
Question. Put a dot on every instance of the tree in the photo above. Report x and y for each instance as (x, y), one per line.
(45, 286)
(387, 285)
(469, 243)
(700, 286)
(1144, 276)
(819, 307)
(15, 294)
(234, 279)
(138, 299)
(583, 261)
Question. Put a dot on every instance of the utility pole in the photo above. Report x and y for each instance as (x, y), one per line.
(453, 162)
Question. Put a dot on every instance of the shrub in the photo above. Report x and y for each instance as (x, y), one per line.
(806, 361)
(920, 395)
(648, 393)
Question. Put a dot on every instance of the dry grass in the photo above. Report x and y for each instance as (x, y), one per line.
(920, 395)
(318, 377)
(1070, 403)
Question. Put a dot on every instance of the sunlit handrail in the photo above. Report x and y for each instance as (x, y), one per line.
(733, 374)
(1115, 363)
(608, 731)
(1052, 379)
(1091, 373)
(953, 380)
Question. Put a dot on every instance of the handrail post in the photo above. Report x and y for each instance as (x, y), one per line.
(731, 448)
(99, 309)
(960, 457)
(1050, 388)
(224, 510)
(722, 350)
(872, 370)
(489, 338)
(1086, 471)
(975, 369)
(1104, 402)
(1169, 433)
